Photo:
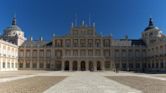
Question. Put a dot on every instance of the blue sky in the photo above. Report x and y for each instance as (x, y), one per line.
(118, 17)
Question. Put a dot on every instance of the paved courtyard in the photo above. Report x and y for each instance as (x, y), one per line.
(81, 82)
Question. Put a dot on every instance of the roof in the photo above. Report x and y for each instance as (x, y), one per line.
(138, 42)
(37, 43)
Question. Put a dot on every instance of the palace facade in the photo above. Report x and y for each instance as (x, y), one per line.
(83, 49)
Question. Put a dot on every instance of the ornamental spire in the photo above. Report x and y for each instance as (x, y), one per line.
(14, 20)
(151, 22)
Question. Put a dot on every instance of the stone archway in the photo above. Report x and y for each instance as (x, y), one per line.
(66, 65)
(75, 66)
(91, 68)
(83, 66)
(99, 65)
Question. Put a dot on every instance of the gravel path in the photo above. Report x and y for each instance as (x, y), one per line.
(147, 85)
(36, 84)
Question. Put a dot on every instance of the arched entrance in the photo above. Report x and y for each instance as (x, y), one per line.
(91, 68)
(82, 65)
(75, 65)
(98, 65)
(66, 65)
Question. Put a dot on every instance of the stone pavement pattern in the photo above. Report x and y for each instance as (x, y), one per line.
(147, 85)
(77, 82)
(89, 83)
(36, 84)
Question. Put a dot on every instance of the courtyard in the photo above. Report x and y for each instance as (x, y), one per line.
(81, 82)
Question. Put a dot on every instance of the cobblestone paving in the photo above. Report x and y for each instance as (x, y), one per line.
(36, 84)
(147, 85)
(88, 82)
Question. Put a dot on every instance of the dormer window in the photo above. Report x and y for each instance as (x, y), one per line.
(151, 34)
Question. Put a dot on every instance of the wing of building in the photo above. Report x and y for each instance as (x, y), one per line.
(84, 49)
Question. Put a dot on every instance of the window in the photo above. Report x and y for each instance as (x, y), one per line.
(67, 43)
(151, 34)
(34, 65)
(97, 52)
(75, 52)
(20, 65)
(21, 54)
(90, 52)
(41, 53)
(116, 53)
(48, 65)
(27, 65)
(162, 65)
(41, 65)
(90, 43)
(106, 43)
(130, 65)
(97, 43)
(67, 52)
(83, 53)
(3, 64)
(12, 65)
(123, 65)
(75, 32)
(82, 43)
(107, 53)
(34, 54)
(48, 53)
(123, 53)
(28, 53)
(137, 65)
(75, 43)
(107, 64)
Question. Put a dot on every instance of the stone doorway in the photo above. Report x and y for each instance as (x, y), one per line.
(99, 65)
(75, 66)
(83, 66)
(66, 65)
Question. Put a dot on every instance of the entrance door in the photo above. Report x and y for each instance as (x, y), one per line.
(98, 65)
(67, 65)
(82, 65)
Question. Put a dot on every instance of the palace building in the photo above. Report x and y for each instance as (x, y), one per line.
(83, 49)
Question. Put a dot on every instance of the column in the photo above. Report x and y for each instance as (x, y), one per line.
(24, 51)
(95, 66)
(164, 63)
(45, 64)
(0, 61)
(87, 66)
(31, 64)
(63, 65)
(24, 64)
(31, 61)
(44, 60)
(38, 58)
(79, 66)
(102, 64)
(70, 66)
